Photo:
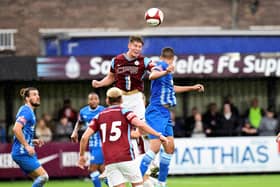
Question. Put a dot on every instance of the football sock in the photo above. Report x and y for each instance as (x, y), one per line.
(164, 166)
(40, 181)
(95, 179)
(146, 160)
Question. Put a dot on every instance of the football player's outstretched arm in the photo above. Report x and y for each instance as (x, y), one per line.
(196, 87)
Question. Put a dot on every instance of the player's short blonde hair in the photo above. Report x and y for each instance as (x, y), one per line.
(114, 92)
(114, 95)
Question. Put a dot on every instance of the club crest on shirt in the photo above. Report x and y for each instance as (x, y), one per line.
(136, 63)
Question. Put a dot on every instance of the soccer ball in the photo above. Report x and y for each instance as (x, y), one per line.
(154, 17)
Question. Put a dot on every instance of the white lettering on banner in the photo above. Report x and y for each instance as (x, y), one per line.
(229, 63)
(267, 66)
(192, 65)
(222, 155)
(205, 64)
(99, 66)
(6, 161)
(70, 159)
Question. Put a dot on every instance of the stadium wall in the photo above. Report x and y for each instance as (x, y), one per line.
(29, 16)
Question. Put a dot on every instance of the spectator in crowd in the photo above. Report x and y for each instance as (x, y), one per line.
(63, 130)
(229, 124)
(178, 125)
(190, 122)
(254, 114)
(198, 130)
(233, 108)
(42, 131)
(248, 130)
(50, 123)
(268, 124)
(68, 111)
(211, 120)
(2, 133)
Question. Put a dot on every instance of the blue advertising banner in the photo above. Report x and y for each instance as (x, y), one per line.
(154, 44)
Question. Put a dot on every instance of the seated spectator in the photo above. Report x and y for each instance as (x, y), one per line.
(49, 121)
(190, 122)
(68, 111)
(211, 120)
(42, 131)
(229, 124)
(178, 125)
(268, 124)
(63, 130)
(248, 130)
(198, 130)
(2, 133)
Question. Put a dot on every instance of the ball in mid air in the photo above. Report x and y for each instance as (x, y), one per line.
(154, 17)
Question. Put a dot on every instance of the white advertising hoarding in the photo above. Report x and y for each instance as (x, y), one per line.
(225, 155)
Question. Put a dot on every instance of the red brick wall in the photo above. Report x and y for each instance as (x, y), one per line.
(29, 15)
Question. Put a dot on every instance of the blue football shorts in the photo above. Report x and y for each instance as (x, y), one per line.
(27, 163)
(96, 155)
(158, 117)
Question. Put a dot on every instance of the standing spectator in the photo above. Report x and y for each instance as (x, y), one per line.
(68, 111)
(211, 120)
(268, 124)
(233, 108)
(229, 125)
(248, 130)
(42, 131)
(63, 130)
(254, 114)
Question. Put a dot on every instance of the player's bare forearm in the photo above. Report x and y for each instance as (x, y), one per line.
(84, 140)
(106, 81)
(196, 87)
(74, 135)
(143, 126)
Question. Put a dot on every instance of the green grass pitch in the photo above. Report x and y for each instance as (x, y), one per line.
(265, 180)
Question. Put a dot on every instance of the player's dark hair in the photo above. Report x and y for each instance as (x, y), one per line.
(167, 52)
(136, 39)
(93, 93)
(115, 100)
(24, 92)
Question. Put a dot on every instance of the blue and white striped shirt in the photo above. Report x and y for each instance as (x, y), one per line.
(162, 90)
(85, 116)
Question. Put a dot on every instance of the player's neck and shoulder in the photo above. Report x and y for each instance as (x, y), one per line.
(26, 108)
(116, 108)
(87, 108)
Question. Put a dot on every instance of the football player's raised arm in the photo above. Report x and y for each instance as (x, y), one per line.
(106, 81)
(196, 87)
